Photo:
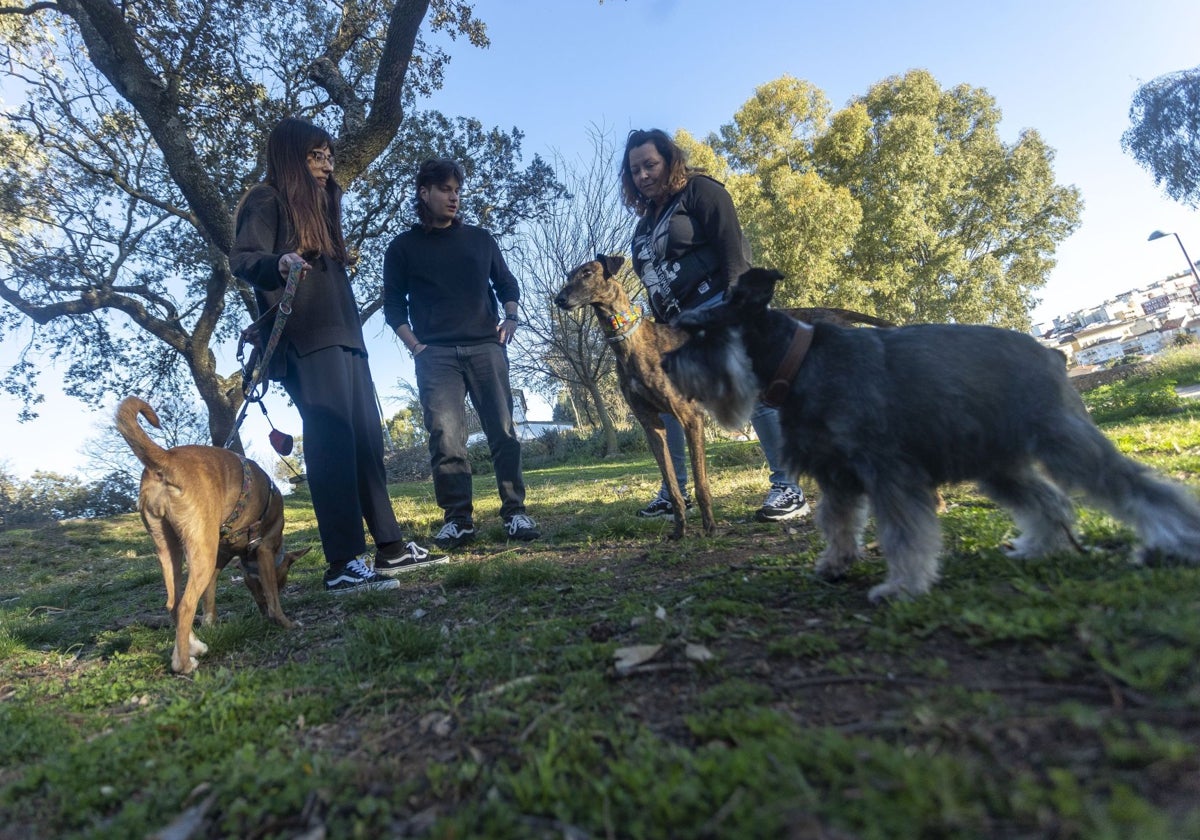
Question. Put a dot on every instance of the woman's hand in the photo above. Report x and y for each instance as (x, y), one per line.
(287, 261)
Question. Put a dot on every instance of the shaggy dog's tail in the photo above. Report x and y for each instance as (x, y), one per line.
(153, 456)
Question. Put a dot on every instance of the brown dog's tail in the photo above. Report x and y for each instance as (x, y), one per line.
(834, 315)
(152, 455)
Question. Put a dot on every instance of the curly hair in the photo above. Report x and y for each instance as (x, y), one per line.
(673, 157)
(314, 214)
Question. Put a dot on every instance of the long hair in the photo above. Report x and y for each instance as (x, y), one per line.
(673, 157)
(315, 215)
(433, 172)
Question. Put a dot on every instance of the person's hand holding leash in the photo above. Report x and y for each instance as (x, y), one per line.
(288, 260)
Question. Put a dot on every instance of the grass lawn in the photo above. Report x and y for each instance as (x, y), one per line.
(605, 682)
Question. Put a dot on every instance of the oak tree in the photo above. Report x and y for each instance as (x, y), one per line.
(142, 123)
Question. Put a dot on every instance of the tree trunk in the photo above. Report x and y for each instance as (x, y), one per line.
(611, 447)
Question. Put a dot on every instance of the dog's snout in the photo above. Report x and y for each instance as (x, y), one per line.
(560, 300)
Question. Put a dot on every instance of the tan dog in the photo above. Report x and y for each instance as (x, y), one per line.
(207, 505)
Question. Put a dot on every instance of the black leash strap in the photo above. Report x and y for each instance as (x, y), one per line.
(285, 309)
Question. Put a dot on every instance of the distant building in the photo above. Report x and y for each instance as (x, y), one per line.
(1139, 322)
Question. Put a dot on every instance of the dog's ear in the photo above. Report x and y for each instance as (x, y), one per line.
(754, 288)
(695, 321)
(291, 557)
(612, 263)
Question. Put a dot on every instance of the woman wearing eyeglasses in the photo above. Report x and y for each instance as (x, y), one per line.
(294, 217)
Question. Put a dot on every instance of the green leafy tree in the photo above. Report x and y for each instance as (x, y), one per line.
(143, 123)
(1164, 133)
(905, 204)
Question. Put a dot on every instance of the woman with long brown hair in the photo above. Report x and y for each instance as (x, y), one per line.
(294, 218)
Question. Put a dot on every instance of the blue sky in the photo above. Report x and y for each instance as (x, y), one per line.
(1067, 68)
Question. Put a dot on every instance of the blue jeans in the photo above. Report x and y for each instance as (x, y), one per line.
(446, 376)
(765, 421)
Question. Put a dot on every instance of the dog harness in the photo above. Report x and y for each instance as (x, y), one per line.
(624, 324)
(781, 383)
(250, 531)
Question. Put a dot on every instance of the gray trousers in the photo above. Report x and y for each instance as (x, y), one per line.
(445, 377)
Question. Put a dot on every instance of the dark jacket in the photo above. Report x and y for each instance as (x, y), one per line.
(705, 250)
(324, 312)
(445, 283)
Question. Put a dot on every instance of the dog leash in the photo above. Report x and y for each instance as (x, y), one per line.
(285, 309)
(781, 384)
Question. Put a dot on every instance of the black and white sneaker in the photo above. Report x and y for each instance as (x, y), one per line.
(661, 506)
(356, 576)
(454, 534)
(405, 556)
(521, 527)
(782, 503)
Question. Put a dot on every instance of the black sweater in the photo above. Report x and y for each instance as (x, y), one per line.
(705, 251)
(324, 312)
(444, 283)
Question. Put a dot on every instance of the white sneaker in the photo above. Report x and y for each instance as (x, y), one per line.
(782, 503)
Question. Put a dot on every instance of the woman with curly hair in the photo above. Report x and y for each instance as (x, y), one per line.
(688, 250)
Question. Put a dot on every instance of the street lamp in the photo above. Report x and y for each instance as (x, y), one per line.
(1158, 234)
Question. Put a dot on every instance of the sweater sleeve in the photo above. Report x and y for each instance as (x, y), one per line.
(254, 258)
(713, 210)
(503, 281)
(395, 285)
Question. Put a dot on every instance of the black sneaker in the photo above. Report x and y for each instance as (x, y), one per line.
(521, 527)
(661, 506)
(356, 576)
(404, 556)
(782, 503)
(454, 534)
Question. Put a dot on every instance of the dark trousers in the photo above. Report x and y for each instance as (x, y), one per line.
(343, 449)
(445, 377)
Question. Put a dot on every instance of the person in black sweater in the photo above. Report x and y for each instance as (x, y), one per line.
(294, 218)
(688, 250)
(442, 280)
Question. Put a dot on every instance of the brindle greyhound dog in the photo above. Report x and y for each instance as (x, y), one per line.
(208, 506)
(639, 343)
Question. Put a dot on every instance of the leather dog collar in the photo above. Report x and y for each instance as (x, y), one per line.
(249, 531)
(781, 383)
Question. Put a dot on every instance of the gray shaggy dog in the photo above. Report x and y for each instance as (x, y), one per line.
(882, 417)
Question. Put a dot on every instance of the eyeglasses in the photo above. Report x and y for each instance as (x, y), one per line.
(321, 157)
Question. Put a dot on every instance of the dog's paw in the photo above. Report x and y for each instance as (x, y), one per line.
(889, 591)
(184, 667)
(834, 566)
(196, 647)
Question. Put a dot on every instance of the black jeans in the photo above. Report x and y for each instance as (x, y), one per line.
(343, 449)
(445, 377)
